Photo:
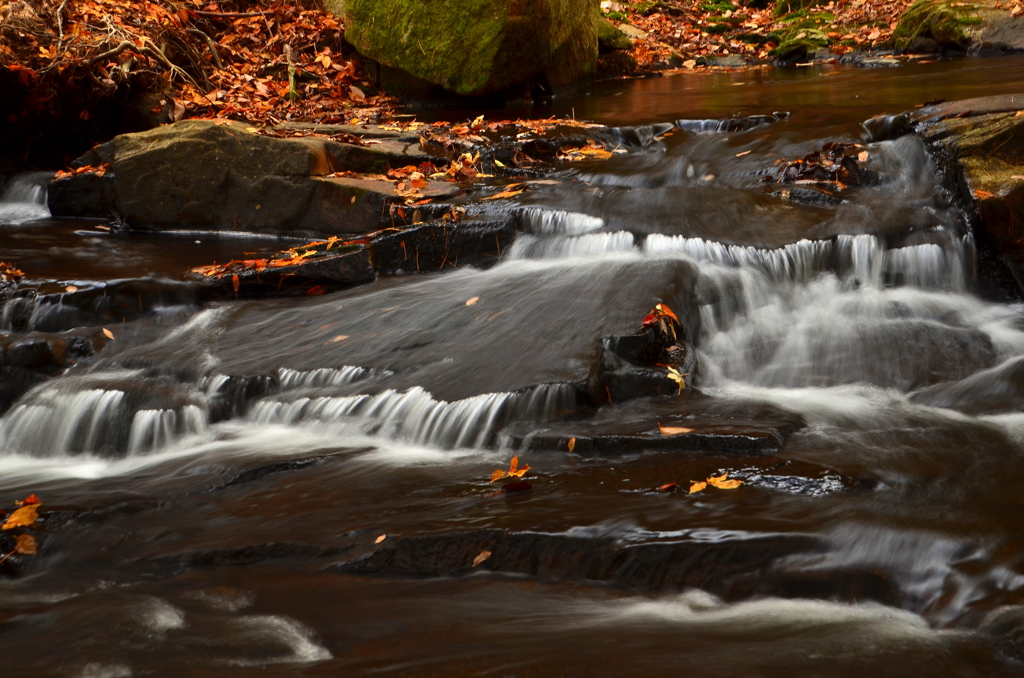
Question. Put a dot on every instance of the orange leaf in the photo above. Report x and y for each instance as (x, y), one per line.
(572, 444)
(718, 479)
(484, 555)
(667, 487)
(498, 475)
(673, 430)
(107, 333)
(513, 465)
(721, 483)
(24, 517)
(863, 156)
(235, 283)
(30, 499)
(380, 539)
(696, 486)
(26, 545)
(982, 195)
(665, 310)
(471, 302)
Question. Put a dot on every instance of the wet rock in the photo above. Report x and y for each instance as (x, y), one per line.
(610, 38)
(993, 391)
(732, 568)
(731, 124)
(939, 24)
(348, 267)
(217, 175)
(441, 244)
(495, 45)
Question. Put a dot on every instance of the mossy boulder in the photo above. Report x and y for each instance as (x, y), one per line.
(610, 38)
(478, 47)
(945, 22)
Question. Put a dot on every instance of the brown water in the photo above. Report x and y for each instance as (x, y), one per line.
(214, 487)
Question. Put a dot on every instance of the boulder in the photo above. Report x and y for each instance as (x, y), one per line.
(478, 47)
(221, 175)
(929, 25)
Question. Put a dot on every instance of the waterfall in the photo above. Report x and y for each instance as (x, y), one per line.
(415, 416)
(539, 221)
(24, 198)
(592, 244)
(153, 429)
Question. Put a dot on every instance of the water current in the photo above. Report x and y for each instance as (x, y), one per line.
(215, 481)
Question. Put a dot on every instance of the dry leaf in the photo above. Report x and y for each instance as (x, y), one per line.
(673, 430)
(24, 517)
(26, 545)
(690, 64)
(484, 555)
(863, 156)
(667, 487)
(743, 153)
(572, 444)
(30, 499)
(235, 283)
(472, 302)
(107, 333)
(340, 337)
(513, 471)
(504, 194)
(71, 288)
(676, 376)
(380, 539)
(696, 486)
(982, 195)
(356, 94)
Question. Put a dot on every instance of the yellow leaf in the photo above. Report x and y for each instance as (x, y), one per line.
(26, 545)
(24, 517)
(484, 555)
(728, 484)
(380, 539)
(472, 302)
(673, 430)
(503, 194)
(498, 475)
(107, 333)
(677, 377)
(718, 479)
(572, 444)
(499, 163)
(696, 486)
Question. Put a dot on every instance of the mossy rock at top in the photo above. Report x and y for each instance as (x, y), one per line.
(611, 38)
(784, 7)
(478, 47)
(941, 21)
(797, 43)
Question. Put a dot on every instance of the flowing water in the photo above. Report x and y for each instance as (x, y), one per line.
(217, 479)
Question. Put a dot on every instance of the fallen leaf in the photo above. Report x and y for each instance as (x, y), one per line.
(24, 517)
(863, 156)
(29, 500)
(26, 545)
(498, 475)
(721, 483)
(513, 470)
(340, 337)
(668, 487)
(676, 376)
(70, 288)
(380, 539)
(673, 430)
(690, 64)
(484, 555)
(107, 333)
(235, 283)
(696, 486)
(356, 94)
(503, 194)
(572, 444)
(982, 195)
(472, 302)
(315, 291)
(743, 153)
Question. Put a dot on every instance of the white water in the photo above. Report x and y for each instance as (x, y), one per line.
(23, 199)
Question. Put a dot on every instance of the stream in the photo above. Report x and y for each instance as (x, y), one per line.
(215, 481)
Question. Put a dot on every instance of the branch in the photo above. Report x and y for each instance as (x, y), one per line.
(230, 14)
(211, 44)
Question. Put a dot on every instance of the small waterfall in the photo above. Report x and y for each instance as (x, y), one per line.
(415, 416)
(592, 244)
(862, 257)
(24, 198)
(326, 376)
(539, 221)
(153, 429)
(64, 423)
(104, 420)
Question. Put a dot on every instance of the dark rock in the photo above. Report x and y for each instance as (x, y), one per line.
(216, 175)
(433, 246)
(610, 38)
(993, 391)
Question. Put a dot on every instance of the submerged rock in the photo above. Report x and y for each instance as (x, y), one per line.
(478, 47)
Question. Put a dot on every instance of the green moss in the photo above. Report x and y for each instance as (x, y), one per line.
(718, 28)
(941, 21)
(753, 38)
(796, 43)
(720, 6)
(472, 46)
(609, 37)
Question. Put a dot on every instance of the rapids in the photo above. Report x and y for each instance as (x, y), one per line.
(216, 480)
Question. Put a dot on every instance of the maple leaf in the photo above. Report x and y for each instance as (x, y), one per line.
(26, 516)
(696, 486)
(26, 545)
(722, 483)
(513, 471)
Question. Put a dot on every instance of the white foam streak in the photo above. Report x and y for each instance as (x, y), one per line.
(24, 198)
